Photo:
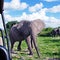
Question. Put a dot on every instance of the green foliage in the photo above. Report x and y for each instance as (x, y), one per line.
(45, 32)
(10, 24)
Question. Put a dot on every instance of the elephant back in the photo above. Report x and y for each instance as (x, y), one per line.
(23, 28)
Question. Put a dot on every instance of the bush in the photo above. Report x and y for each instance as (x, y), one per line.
(10, 24)
(45, 32)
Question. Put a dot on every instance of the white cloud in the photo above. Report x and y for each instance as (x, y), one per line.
(50, 0)
(15, 4)
(36, 7)
(54, 9)
(49, 21)
(8, 18)
(40, 14)
(23, 6)
(35, 15)
(52, 22)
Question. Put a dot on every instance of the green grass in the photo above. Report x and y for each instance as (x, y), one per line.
(48, 47)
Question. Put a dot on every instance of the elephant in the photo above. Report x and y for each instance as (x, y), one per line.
(55, 31)
(58, 31)
(26, 30)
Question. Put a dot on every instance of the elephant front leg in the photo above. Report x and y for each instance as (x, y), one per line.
(19, 46)
(29, 45)
(12, 44)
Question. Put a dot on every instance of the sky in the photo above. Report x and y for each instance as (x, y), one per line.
(46, 10)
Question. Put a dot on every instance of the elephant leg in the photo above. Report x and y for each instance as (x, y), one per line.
(32, 43)
(19, 46)
(33, 37)
(29, 45)
(12, 44)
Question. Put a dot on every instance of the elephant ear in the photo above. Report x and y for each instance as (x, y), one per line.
(37, 25)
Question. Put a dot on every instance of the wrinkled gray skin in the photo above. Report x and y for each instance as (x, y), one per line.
(26, 30)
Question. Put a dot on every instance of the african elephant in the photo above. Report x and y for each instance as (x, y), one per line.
(26, 30)
(58, 31)
(55, 31)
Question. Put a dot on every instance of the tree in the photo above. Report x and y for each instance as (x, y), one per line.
(10, 24)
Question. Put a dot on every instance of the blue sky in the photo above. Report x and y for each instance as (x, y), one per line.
(46, 10)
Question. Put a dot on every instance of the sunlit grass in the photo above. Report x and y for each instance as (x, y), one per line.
(49, 47)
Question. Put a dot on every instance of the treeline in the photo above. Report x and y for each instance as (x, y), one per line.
(46, 32)
(50, 32)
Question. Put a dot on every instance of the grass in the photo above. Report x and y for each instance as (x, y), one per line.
(49, 47)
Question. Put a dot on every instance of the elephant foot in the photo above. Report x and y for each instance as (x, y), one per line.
(13, 52)
(30, 53)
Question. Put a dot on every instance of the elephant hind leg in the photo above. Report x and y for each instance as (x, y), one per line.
(33, 37)
(29, 46)
(19, 46)
(32, 43)
(12, 44)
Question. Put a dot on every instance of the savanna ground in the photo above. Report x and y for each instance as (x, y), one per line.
(49, 47)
